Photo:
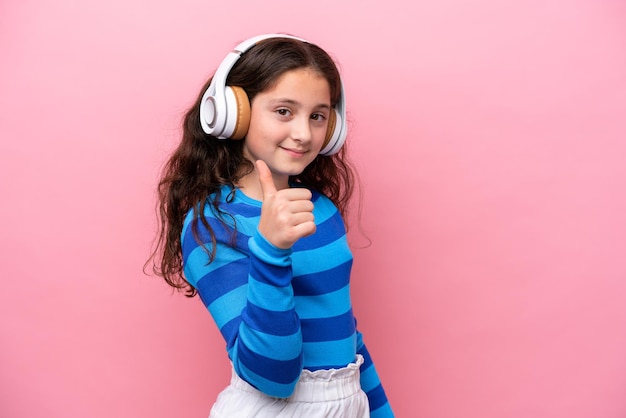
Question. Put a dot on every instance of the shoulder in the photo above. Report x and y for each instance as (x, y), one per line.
(326, 213)
(220, 214)
(323, 203)
(222, 203)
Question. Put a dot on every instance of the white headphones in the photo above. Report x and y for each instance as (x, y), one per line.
(225, 110)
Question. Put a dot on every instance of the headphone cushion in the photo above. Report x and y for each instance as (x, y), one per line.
(242, 122)
(330, 129)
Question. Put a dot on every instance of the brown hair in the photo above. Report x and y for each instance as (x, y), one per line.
(202, 164)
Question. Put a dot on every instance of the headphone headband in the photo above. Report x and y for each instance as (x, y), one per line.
(219, 102)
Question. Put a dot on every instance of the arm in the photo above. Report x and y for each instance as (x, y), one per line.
(247, 289)
(371, 385)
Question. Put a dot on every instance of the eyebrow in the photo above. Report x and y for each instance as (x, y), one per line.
(297, 103)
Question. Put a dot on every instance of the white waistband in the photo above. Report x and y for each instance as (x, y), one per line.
(319, 385)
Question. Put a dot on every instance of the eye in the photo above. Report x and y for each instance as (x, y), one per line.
(283, 112)
(318, 116)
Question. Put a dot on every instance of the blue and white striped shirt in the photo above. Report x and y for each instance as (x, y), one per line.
(279, 310)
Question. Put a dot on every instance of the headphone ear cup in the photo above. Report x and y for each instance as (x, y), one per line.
(333, 142)
(331, 128)
(243, 113)
(237, 113)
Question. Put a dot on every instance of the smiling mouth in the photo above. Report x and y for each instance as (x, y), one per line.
(294, 151)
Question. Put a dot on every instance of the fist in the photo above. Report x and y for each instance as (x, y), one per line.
(286, 215)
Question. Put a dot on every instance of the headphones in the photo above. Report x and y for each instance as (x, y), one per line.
(225, 110)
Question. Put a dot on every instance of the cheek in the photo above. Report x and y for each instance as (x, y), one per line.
(257, 134)
(266, 127)
(320, 136)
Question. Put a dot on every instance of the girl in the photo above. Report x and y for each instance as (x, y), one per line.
(251, 206)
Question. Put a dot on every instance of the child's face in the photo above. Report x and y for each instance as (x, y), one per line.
(288, 123)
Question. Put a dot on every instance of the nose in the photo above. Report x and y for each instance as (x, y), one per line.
(301, 129)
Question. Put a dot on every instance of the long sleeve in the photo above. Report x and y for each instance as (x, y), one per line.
(371, 385)
(248, 291)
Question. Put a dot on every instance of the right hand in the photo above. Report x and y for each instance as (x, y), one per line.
(286, 215)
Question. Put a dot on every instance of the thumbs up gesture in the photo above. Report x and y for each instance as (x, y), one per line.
(286, 215)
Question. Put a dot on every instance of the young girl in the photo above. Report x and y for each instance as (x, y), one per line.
(251, 206)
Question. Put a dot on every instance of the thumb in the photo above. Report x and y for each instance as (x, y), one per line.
(265, 178)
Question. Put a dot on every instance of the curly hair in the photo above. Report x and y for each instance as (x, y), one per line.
(202, 164)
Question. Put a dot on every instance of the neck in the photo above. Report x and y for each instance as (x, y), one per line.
(251, 187)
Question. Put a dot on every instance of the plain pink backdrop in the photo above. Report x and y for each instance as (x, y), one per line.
(491, 142)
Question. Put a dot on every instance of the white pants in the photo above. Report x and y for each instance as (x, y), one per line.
(318, 394)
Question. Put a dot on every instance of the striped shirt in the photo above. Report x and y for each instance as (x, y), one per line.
(279, 310)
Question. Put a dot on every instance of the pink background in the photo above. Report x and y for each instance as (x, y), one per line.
(491, 141)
